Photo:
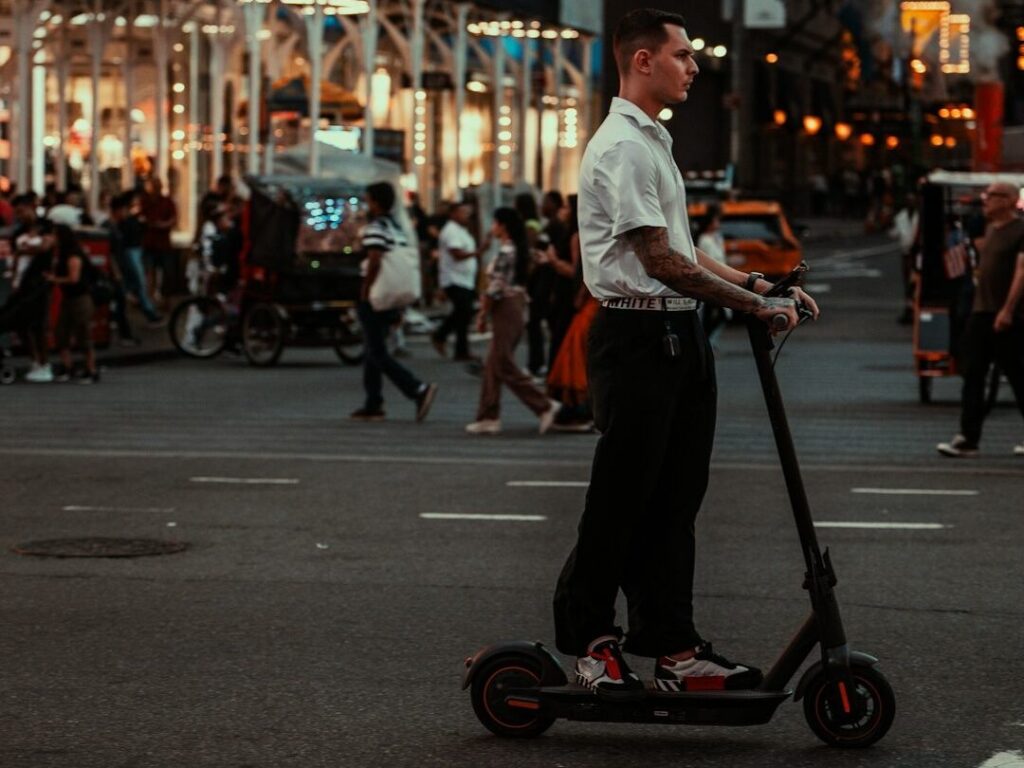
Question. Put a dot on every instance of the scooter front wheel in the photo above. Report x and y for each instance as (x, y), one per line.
(490, 691)
(871, 702)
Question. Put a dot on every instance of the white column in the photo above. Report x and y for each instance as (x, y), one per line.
(556, 164)
(60, 157)
(525, 89)
(370, 33)
(499, 99)
(96, 43)
(192, 133)
(461, 54)
(217, 51)
(128, 77)
(315, 38)
(39, 121)
(254, 13)
(24, 25)
(161, 58)
(416, 74)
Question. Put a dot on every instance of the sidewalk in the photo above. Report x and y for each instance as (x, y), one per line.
(155, 343)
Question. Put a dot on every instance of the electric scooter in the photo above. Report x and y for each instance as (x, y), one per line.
(519, 689)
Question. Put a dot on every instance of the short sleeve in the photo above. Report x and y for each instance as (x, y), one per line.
(376, 236)
(626, 178)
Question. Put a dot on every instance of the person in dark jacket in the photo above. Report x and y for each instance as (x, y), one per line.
(72, 272)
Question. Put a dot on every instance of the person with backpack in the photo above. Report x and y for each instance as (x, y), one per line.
(75, 275)
(380, 237)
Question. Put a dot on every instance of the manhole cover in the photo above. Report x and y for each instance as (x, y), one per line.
(98, 546)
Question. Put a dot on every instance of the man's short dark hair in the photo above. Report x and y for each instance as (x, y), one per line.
(641, 28)
(25, 198)
(384, 194)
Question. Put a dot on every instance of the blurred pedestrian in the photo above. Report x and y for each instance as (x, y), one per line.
(995, 326)
(905, 230)
(504, 302)
(160, 216)
(72, 273)
(381, 235)
(712, 242)
(567, 380)
(114, 214)
(526, 207)
(564, 263)
(458, 260)
(132, 234)
(541, 280)
(29, 302)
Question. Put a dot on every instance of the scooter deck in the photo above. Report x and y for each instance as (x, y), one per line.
(572, 702)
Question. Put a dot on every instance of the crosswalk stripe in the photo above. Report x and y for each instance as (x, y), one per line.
(883, 526)
(477, 516)
(245, 480)
(547, 484)
(913, 492)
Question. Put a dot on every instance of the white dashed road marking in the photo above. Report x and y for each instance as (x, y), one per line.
(1004, 760)
(85, 508)
(500, 518)
(547, 483)
(913, 492)
(246, 480)
(885, 526)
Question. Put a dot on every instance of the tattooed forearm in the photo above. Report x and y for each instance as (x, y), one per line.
(687, 277)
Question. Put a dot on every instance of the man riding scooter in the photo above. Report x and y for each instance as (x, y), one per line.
(652, 383)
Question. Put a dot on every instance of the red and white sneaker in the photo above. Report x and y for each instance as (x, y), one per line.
(705, 671)
(605, 671)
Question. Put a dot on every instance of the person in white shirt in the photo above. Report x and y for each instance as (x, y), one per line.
(458, 259)
(652, 384)
(712, 242)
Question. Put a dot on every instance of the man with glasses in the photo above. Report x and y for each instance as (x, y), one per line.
(995, 327)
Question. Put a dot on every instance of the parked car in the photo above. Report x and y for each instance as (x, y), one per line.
(758, 237)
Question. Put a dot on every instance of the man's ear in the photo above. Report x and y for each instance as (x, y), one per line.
(642, 61)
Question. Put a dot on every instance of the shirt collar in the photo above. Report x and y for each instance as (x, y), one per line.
(630, 109)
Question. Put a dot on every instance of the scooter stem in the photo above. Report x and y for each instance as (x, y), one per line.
(761, 345)
(820, 578)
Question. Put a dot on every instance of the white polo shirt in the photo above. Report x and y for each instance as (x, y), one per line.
(452, 271)
(628, 179)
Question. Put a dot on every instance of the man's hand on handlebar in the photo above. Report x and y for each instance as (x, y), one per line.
(778, 308)
(803, 299)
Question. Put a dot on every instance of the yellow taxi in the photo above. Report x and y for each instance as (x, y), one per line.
(758, 237)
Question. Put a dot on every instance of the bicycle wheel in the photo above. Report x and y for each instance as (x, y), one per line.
(199, 327)
(263, 333)
(347, 337)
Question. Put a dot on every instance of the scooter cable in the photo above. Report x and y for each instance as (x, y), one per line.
(782, 343)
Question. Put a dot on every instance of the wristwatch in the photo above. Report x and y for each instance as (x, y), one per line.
(752, 279)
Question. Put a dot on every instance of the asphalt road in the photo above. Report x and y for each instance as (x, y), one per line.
(317, 619)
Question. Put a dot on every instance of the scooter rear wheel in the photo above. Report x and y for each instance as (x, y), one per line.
(872, 696)
(490, 686)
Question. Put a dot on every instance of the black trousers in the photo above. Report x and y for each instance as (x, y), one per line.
(980, 346)
(458, 319)
(648, 479)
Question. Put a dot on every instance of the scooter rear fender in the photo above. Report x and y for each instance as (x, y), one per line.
(856, 657)
(551, 671)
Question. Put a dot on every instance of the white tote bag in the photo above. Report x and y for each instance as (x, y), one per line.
(398, 282)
